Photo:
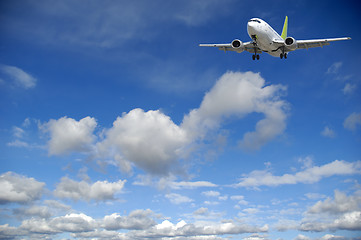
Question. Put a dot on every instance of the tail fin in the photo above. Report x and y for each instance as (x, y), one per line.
(284, 30)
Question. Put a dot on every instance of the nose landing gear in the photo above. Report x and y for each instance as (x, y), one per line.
(255, 56)
(283, 55)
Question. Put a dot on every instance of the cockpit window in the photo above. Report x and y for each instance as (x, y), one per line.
(254, 20)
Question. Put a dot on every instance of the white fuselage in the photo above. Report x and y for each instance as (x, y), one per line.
(265, 36)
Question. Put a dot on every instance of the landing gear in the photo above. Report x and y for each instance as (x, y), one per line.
(283, 55)
(255, 56)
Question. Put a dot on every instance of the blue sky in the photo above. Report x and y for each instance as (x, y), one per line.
(116, 125)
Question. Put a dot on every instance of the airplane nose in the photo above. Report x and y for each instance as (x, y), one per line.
(251, 27)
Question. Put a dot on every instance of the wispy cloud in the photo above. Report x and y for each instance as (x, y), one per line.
(352, 121)
(309, 175)
(176, 198)
(328, 132)
(334, 68)
(349, 89)
(105, 24)
(18, 77)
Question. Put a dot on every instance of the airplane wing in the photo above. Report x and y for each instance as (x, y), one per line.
(306, 44)
(247, 46)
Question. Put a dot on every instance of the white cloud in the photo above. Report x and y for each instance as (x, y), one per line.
(183, 229)
(201, 211)
(314, 196)
(332, 237)
(69, 223)
(33, 211)
(169, 182)
(99, 191)
(20, 189)
(341, 213)
(191, 185)
(240, 199)
(251, 210)
(312, 174)
(348, 221)
(176, 198)
(8, 232)
(352, 121)
(334, 68)
(238, 94)
(153, 142)
(302, 237)
(349, 88)
(211, 193)
(150, 140)
(18, 76)
(106, 25)
(137, 219)
(18, 143)
(139, 222)
(18, 132)
(195, 13)
(328, 132)
(341, 204)
(68, 135)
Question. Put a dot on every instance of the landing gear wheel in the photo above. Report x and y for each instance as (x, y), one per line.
(253, 57)
(281, 55)
(285, 55)
(257, 57)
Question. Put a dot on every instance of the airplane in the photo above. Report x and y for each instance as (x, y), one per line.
(266, 39)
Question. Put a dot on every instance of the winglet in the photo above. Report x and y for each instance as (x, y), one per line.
(284, 30)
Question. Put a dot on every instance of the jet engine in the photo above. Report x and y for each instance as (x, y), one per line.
(291, 43)
(237, 45)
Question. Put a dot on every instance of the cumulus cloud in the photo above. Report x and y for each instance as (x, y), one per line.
(138, 219)
(183, 229)
(153, 142)
(18, 76)
(352, 121)
(238, 94)
(68, 135)
(99, 191)
(69, 223)
(328, 132)
(340, 204)
(150, 140)
(310, 174)
(19, 189)
(348, 221)
(176, 198)
(140, 223)
(33, 211)
(211, 194)
(340, 213)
